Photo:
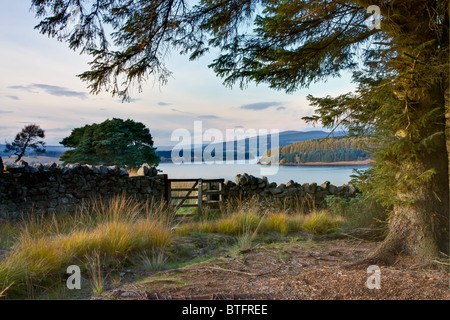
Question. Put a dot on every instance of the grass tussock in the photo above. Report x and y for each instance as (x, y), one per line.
(321, 222)
(277, 222)
(238, 223)
(96, 276)
(154, 260)
(46, 246)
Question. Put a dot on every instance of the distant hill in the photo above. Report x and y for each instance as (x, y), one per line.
(50, 151)
(244, 151)
(338, 149)
(290, 137)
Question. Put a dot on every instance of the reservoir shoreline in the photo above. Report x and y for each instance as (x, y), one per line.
(338, 163)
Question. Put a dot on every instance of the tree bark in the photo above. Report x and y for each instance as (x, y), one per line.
(447, 127)
(421, 228)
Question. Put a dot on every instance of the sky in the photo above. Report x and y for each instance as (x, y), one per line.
(38, 84)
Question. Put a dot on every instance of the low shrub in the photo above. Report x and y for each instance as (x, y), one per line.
(364, 216)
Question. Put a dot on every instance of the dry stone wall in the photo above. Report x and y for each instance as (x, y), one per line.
(247, 186)
(51, 187)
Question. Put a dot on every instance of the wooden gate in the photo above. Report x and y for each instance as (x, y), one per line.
(209, 193)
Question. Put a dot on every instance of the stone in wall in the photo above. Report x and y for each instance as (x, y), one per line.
(147, 170)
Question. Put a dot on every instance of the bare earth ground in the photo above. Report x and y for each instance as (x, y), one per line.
(294, 270)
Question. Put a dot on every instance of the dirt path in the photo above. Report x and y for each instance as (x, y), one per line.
(295, 270)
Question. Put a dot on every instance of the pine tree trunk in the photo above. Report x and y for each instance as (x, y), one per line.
(447, 126)
(446, 86)
(421, 229)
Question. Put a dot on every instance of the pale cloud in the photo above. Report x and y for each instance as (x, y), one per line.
(208, 116)
(260, 105)
(52, 90)
(65, 129)
(183, 112)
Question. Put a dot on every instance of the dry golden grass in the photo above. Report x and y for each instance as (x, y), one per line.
(47, 245)
(320, 222)
(132, 172)
(277, 222)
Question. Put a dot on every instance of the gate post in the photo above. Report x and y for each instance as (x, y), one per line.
(200, 196)
(221, 193)
(166, 189)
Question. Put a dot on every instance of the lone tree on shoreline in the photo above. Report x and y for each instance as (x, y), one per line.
(27, 138)
(402, 101)
(124, 143)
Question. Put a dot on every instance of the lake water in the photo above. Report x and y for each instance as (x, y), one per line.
(337, 175)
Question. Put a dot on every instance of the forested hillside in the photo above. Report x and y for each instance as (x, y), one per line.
(323, 150)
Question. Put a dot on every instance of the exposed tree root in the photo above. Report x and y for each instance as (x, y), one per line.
(391, 252)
